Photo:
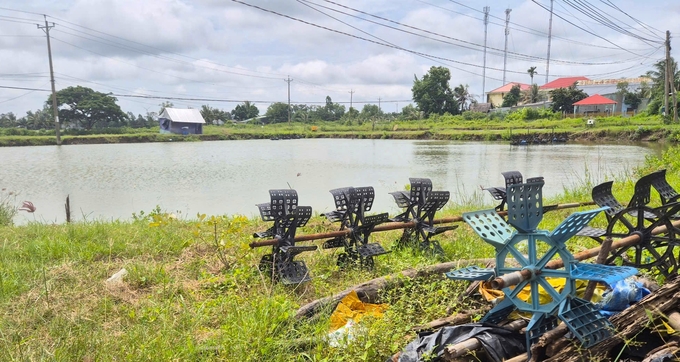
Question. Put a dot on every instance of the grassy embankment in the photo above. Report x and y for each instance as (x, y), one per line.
(649, 128)
(181, 302)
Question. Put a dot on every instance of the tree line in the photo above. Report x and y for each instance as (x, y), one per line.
(84, 108)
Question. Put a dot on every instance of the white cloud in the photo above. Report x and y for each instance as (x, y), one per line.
(203, 48)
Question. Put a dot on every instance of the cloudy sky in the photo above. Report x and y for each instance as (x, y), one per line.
(223, 52)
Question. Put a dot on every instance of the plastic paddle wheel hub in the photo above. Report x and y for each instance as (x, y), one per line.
(421, 204)
(351, 204)
(287, 216)
(522, 255)
(655, 250)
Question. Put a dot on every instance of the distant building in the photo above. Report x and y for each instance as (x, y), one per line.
(595, 104)
(495, 97)
(607, 88)
(480, 107)
(564, 82)
(181, 121)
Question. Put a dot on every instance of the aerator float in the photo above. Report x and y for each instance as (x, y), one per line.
(537, 262)
(351, 204)
(287, 216)
(421, 204)
(647, 236)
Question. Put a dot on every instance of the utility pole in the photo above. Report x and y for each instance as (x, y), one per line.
(486, 25)
(379, 107)
(55, 110)
(288, 81)
(547, 64)
(666, 87)
(351, 93)
(670, 80)
(507, 32)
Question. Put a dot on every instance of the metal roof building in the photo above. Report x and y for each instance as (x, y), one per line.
(181, 121)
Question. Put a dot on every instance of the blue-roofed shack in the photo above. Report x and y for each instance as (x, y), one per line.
(181, 121)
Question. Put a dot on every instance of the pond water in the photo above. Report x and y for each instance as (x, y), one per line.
(111, 181)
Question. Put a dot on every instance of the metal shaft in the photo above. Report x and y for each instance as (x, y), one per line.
(517, 277)
(400, 225)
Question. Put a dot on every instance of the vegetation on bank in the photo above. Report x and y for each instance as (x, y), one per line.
(194, 292)
(469, 126)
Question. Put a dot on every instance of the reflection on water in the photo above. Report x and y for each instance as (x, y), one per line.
(230, 177)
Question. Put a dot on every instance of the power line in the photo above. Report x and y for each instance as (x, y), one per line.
(158, 49)
(24, 88)
(587, 31)
(468, 44)
(594, 13)
(520, 27)
(367, 40)
(121, 46)
(373, 36)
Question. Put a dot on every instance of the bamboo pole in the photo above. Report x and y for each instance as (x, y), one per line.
(401, 225)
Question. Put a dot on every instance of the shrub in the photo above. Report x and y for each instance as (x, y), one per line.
(7, 208)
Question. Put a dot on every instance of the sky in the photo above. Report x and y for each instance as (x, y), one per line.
(224, 52)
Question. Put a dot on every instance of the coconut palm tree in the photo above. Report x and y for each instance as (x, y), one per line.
(462, 95)
(531, 95)
(532, 72)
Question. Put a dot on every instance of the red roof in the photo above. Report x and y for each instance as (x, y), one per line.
(593, 100)
(506, 88)
(562, 82)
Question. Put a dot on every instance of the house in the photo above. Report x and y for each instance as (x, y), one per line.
(181, 121)
(495, 97)
(564, 82)
(607, 88)
(594, 104)
(480, 107)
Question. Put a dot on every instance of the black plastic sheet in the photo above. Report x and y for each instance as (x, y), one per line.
(499, 343)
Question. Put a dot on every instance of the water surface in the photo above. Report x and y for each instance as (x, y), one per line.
(111, 181)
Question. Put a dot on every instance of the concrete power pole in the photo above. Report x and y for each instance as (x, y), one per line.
(669, 85)
(351, 93)
(547, 64)
(507, 32)
(55, 109)
(486, 24)
(288, 81)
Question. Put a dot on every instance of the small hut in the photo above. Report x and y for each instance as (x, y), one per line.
(181, 121)
(594, 104)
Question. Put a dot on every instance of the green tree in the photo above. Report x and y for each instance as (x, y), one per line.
(8, 120)
(532, 72)
(563, 99)
(40, 119)
(164, 105)
(245, 111)
(277, 112)
(462, 95)
(210, 114)
(432, 94)
(410, 112)
(658, 74)
(532, 95)
(370, 111)
(301, 112)
(513, 97)
(86, 108)
(330, 112)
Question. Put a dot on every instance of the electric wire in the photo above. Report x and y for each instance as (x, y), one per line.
(472, 45)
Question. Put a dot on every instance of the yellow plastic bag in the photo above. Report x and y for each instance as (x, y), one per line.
(543, 296)
(351, 307)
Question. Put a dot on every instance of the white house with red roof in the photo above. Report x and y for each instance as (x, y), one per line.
(595, 104)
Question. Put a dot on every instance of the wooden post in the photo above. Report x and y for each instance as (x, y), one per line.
(67, 206)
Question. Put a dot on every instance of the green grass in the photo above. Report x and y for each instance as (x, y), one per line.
(181, 302)
(642, 127)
